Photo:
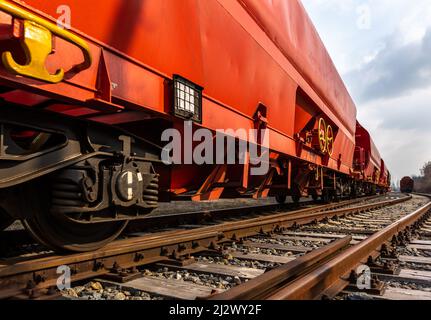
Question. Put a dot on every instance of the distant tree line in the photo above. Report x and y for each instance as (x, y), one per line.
(423, 182)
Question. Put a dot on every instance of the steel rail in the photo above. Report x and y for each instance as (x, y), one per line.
(164, 220)
(204, 215)
(29, 275)
(159, 221)
(333, 275)
(258, 287)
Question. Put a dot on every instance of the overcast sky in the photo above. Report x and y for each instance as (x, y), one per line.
(382, 49)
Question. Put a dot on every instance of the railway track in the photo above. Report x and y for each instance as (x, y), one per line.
(406, 271)
(201, 261)
(328, 271)
(16, 241)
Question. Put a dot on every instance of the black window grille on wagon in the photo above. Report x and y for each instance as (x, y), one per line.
(187, 99)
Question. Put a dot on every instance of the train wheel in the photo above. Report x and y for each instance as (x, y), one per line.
(314, 196)
(62, 234)
(5, 220)
(326, 197)
(281, 198)
(353, 193)
(296, 198)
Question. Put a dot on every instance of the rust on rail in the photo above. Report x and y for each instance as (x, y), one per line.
(334, 273)
(41, 272)
(258, 287)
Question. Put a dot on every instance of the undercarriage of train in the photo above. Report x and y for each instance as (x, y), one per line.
(322, 184)
(73, 185)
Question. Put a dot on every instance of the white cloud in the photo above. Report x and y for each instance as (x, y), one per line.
(415, 22)
(401, 127)
(399, 120)
(396, 70)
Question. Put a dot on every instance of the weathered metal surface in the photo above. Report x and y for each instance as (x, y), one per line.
(41, 272)
(335, 272)
(258, 287)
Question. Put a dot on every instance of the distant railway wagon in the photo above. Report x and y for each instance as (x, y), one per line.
(368, 162)
(407, 185)
(89, 90)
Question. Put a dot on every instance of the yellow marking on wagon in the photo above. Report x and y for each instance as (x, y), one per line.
(37, 45)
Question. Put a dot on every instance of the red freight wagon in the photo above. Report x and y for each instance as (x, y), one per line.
(385, 176)
(84, 109)
(407, 185)
(368, 162)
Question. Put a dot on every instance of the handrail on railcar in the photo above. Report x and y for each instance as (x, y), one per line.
(20, 13)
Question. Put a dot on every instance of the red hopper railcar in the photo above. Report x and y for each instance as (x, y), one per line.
(87, 89)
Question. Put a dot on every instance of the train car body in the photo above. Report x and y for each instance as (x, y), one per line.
(407, 185)
(88, 89)
(385, 176)
(368, 163)
(367, 156)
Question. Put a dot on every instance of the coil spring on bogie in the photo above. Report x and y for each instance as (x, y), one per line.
(67, 189)
(151, 192)
(66, 194)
